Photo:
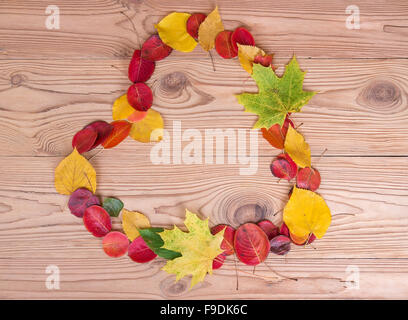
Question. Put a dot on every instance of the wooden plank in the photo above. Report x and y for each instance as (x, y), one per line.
(100, 29)
(369, 230)
(361, 107)
(367, 196)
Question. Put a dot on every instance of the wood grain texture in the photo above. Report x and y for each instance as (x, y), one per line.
(53, 82)
(44, 102)
(309, 28)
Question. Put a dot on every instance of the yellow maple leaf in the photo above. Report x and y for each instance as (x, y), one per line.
(132, 221)
(247, 54)
(121, 108)
(209, 29)
(173, 32)
(74, 172)
(198, 248)
(306, 212)
(149, 129)
(297, 148)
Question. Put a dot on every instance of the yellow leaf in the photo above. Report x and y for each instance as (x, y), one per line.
(173, 32)
(132, 221)
(149, 129)
(297, 148)
(74, 172)
(247, 54)
(306, 212)
(121, 108)
(209, 29)
(198, 248)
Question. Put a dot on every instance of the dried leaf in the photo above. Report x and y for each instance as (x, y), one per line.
(140, 252)
(277, 96)
(269, 228)
(154, 49)
(224, 46)
(198, 248)
(276, 134)
(283, 167)
(84, 139)
(149, 129)
(306, 212)
(97, 221)
(173, 32)
(297, 148)
(140, 70)
(247, 54)
(140, 96)
(308, 178)
(193, 23)
(103, 129)
(113, 206)
(121, 108)
(251, 244)
(209, 29)
(132, 221)
(229, 233)
(121, 129)
(81, 199)
(74, 172)
(115, 244)
(155, 242)
(242, 36)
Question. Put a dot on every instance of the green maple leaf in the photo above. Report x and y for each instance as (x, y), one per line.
(276, 96)
(198, 248)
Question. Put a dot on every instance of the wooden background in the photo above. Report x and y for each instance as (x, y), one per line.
(53, 82)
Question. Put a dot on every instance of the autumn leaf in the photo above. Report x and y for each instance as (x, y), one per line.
(246, 56)
(132, 221)
(209, 29)
(149, 129)
(74, 172)
(297, 148)
(155, 242)
(198, 248)
(306, 213)
(113, 206)
(173, 32)
(121, 129)
(276, 96)
(121, 108)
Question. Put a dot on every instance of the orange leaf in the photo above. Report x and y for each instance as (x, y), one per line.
(121, 129)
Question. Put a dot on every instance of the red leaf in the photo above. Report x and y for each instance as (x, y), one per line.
(308, 178)
(140, 96)
(276, 134)
(280, 245)
(269, 228)
(284, 167)
(137, 116)
(154, 49)
(193, 23)
(265, 60)
(81, 199)
(284, 230)
(228, 243)
(140, 70)
(97, 221)
(242, 36)
(251, 244)
(139, 251)
(218, 261)
(103, 130)
(121, 129)
(84, 139)
(224, 46)
(115, 244)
